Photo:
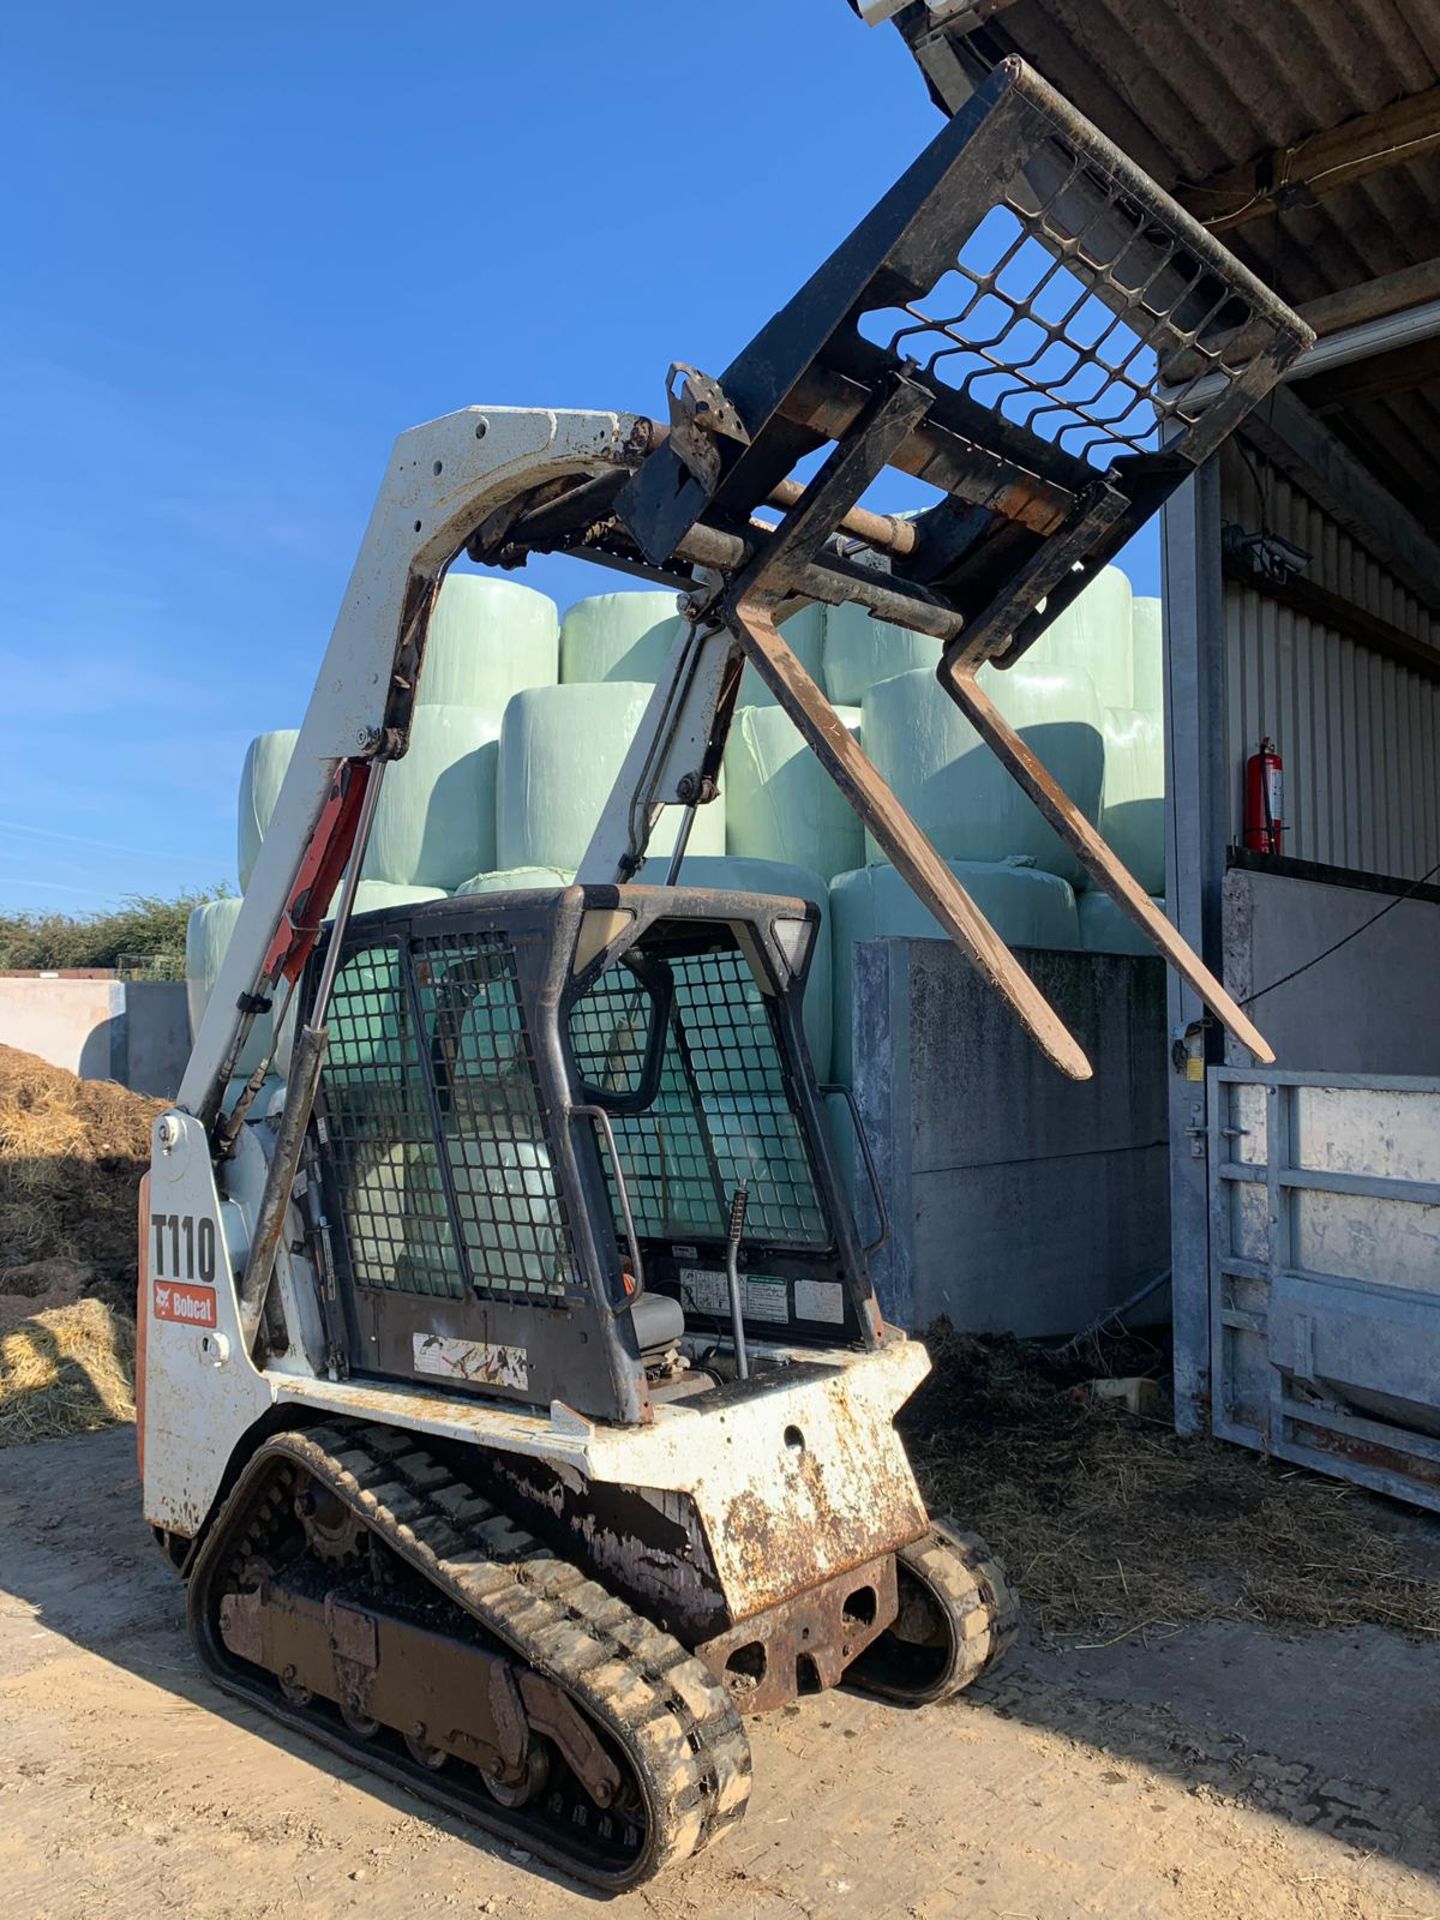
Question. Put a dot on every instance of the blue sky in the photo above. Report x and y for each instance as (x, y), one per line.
(245, 247)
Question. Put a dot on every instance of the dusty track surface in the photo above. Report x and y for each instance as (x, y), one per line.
(1225, 1774)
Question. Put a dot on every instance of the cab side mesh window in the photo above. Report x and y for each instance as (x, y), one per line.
(377, 1113)
(510, 1213)
(722, 1113)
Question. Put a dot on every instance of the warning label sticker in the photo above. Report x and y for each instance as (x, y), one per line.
(820, 1300)
(479, 1363)
(191, 1306)
(709, 1292)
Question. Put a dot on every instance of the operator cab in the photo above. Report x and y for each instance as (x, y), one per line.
(535, 1113)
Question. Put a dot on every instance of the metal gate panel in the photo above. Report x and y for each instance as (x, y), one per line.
(1325, 1272)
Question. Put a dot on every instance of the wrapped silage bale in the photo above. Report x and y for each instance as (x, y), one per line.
(780, 803)
(1132, 812)
(561, 751)
(516, 880)
(1147, 653)
(1093, 635)
(1105, 929)
(435, 822)
(790, 882)
(207, 935)
(958, 792)
(1027, 907)
(261, 777)
(617, 636)
(374, 896)
(859, 651)
(487, 640)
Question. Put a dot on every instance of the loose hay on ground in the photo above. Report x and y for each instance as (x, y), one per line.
(68, 1369)
(1112, 1524)
(72, 1153)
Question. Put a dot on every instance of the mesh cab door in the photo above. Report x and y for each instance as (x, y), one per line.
(449, 1193)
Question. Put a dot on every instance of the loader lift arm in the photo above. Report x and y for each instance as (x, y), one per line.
(1002, 326)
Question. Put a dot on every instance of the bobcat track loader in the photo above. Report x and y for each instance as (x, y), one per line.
(514, 1399)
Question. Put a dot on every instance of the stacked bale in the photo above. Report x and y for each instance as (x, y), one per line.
(780, 802)
(561, 750)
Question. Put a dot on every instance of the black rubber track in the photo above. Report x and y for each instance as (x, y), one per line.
(976, 1618)
(671, 1722)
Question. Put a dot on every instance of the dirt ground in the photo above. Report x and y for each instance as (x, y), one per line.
(1225, 1773)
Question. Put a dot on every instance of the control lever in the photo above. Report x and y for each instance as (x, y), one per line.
(739, 1202)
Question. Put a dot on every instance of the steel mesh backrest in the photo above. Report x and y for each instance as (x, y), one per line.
(1063, 308)
(723, 1112)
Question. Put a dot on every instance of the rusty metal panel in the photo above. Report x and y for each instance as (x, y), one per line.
(1360, 735)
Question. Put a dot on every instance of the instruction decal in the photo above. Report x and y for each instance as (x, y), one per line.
(706, 1291)
(479, 1363)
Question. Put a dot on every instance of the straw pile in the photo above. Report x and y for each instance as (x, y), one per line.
(1112, 1524)
(71, 1156)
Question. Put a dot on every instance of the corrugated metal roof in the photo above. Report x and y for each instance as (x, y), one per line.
(1190, 87)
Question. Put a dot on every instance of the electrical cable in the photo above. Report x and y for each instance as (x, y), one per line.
(1345, 939)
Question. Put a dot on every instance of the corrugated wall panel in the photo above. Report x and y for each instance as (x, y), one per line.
(1359, 734)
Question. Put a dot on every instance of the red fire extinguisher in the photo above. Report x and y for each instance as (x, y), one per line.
(1265, 800)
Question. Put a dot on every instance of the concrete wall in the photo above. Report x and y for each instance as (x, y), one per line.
(1370, 1008)
(1021, 1201)
(135, 1031)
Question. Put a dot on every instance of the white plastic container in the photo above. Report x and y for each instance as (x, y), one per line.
(1026, 906)
(561, 750)
(435, 824)
(1093, 636)
(487, 640)
(780, 803)
(790, 882)
(1148, 654)
(1105, 929)
(955, 788)
(617, 636)
(261, 777)
(1132, 813)
(859, 651)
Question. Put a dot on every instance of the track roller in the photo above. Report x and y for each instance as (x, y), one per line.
(957, 1616)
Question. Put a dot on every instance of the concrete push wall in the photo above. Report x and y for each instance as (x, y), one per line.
(133, 1031)
(1021, 1202)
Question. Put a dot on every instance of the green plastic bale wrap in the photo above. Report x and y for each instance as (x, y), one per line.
(261, 777)
(789, 882)
(1026, 906)
(374, 896)
(617, 636)
(780, 803)
(487, 640)
(1132, 813)
(1093, 636)
(860, 651)
(1148, 654)
(561, 751)
(516, 880)
(207, 935)
(955, 788)
(1105, 929)
(435, 824)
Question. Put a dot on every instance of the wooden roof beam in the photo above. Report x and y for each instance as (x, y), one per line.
(1335, 157)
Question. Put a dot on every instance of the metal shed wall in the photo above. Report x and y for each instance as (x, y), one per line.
(1359, 734)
